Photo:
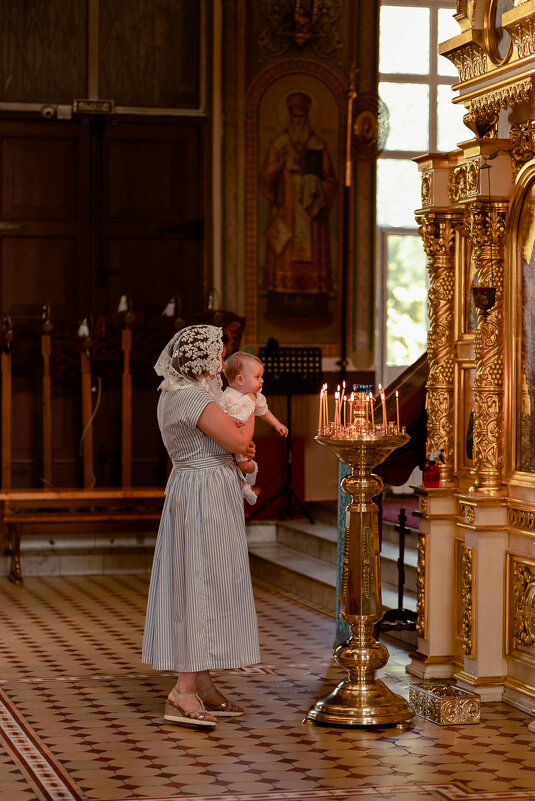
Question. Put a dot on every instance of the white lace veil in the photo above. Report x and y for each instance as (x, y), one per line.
(193, 355)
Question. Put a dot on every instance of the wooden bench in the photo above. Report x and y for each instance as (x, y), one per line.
(20, 507)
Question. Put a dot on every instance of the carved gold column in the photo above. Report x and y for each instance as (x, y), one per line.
(486, 221)
(437, 229)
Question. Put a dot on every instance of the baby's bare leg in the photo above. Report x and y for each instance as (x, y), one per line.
(247, 466)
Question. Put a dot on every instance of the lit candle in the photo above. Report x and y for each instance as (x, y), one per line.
(383, 404)
(320, 413)
(371, 410)
(336, 408)
(397, 409)
(326, 399)
(345, 410)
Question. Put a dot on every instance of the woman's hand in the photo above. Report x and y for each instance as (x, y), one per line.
(225, 430)
(250, 451)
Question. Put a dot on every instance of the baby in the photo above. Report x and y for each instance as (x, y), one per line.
(243, 397)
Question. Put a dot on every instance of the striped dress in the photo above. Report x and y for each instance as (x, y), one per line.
(200, 609)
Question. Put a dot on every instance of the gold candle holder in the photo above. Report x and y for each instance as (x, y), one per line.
(361, 699)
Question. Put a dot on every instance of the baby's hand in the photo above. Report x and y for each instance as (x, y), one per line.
(282, 430)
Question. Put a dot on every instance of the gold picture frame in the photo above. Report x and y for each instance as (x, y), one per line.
(519, 343)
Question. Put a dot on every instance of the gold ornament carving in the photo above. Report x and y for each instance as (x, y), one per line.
(313, 25)
(522, 137)
(445, 704)
(421, 617)
(523, 36)
(486, 225)
(463, 181)
(427, 188)
(466, 598)
(437, 230)
(523, 611)
(470, 60)
(469, 515)
(506, 96)
(423, 505)
(522, 519)
(483, 123)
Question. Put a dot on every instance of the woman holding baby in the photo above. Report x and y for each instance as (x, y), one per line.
(200, 611)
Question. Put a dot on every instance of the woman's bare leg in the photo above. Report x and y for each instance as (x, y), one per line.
(209, 692)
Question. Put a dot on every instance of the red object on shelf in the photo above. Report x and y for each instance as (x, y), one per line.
(271, 460)
(431, 475)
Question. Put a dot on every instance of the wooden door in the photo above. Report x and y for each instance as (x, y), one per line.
(92, 209)
(45, 258)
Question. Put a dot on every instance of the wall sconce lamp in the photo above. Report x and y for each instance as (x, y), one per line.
(485, 295)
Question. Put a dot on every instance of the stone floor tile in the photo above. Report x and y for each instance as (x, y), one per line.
(99, 711)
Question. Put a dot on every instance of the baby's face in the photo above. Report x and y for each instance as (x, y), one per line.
(252, 373)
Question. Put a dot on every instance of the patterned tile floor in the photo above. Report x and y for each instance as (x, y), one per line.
(81, 717)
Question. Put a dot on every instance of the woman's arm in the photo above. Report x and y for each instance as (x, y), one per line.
(224, 429)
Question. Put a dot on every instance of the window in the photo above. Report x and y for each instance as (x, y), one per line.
(415, 83)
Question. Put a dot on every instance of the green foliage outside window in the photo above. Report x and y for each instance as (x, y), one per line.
(406, 300)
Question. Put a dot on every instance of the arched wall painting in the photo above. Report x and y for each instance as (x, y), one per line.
(294, 206)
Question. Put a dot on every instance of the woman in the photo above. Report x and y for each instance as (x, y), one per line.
(200, 612)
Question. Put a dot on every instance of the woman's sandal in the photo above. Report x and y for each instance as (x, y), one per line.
(226, 709)
(195, 718)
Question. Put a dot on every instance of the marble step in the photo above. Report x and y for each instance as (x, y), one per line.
(319, 540)
(309, 577)
(313, 539)
(305, 576)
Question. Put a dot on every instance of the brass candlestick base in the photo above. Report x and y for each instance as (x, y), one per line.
(361, 699)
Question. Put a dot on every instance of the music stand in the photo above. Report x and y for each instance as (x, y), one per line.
(289, 371)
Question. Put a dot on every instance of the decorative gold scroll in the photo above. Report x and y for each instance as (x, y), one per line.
(486, 223)
(522, 136)
(437, 229)
(421, 601)
(523, 608)
(505, 96)
(463, 181)
(458, 550)
(470, 60)
(520, 609)
(427, 188)
(467, 593)
(523, 36)
(522, 520)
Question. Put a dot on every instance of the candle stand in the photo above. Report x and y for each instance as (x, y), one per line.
(361, 699)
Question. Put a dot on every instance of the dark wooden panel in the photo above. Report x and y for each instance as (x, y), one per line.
(39, 270)
(144, 181)
(151, 174)
(153, 227)
(149, 271)
(40, 177)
